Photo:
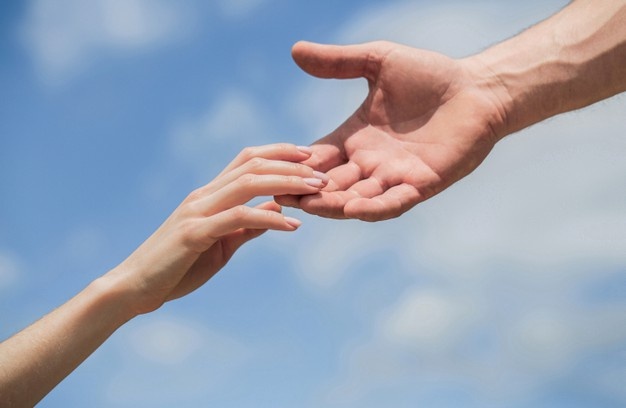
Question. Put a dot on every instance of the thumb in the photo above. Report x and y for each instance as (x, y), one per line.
(339, 61)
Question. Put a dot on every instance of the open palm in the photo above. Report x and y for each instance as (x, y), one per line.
(426, 123)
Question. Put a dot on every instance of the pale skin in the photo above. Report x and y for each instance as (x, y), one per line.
(193, 244)
(430, 120)
(427, 122)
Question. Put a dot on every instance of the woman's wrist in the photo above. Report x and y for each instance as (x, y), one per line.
(115, 293)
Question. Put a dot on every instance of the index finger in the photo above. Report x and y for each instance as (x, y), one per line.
(276, 151)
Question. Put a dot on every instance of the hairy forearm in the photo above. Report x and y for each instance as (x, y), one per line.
(575, 58)
(35, 360)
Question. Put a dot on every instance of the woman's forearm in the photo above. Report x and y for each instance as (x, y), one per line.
(575, 58)
(35, 360)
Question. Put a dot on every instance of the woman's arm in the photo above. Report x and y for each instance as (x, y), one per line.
(36, 359)
(193, 244)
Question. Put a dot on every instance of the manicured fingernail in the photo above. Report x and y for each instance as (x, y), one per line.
(305, 149)
(322, 176)
(293, 222)
(314, 182)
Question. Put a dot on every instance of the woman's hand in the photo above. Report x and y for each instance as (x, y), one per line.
(191, 246)
(202, 234)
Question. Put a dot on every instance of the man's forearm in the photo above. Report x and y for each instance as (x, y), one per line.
(575, 58)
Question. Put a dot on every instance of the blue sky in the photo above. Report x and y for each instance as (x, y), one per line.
(509, 289)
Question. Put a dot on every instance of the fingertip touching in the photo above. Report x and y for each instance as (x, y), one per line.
(325, 204)
(288, 200)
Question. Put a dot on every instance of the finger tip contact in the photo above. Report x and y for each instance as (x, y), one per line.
(288, 201)
(314, 182)
(305, 149)
(322, 176)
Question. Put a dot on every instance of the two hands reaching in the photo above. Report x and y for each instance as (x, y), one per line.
(427, 121)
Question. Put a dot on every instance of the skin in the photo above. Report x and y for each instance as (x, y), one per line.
(429, 120)
(191, 246)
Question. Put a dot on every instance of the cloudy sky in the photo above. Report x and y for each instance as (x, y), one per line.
(509, 289)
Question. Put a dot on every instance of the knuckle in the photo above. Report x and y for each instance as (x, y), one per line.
(256, 163)
(186, 228)
(297, 168)
(246, 180)
(240, 212)
(247, 153)
(190, 208)
(188, 232)
(293, 180)
(195, 195)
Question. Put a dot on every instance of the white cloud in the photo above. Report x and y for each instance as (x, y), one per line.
(427, 320)
(171, 360)
(64, 36)
(455, 28)
(10, 270)
(330, 253)
(324, 261)
(84, 244)
(546, 200)
(169, 340)
(487, 354)
(235, 120)
(237, 9)
(165, 341)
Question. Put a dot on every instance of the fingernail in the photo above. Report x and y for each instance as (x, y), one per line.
(305, 149)
(314, 182)
(322, 176)
(293, 222)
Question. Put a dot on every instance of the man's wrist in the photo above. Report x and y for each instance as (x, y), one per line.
(529, 78)
(569, 61)
(492, 86)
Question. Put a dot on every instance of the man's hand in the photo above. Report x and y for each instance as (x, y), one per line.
(427, 122)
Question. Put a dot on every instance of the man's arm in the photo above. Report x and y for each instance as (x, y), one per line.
(574, 59)
(430, 120)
